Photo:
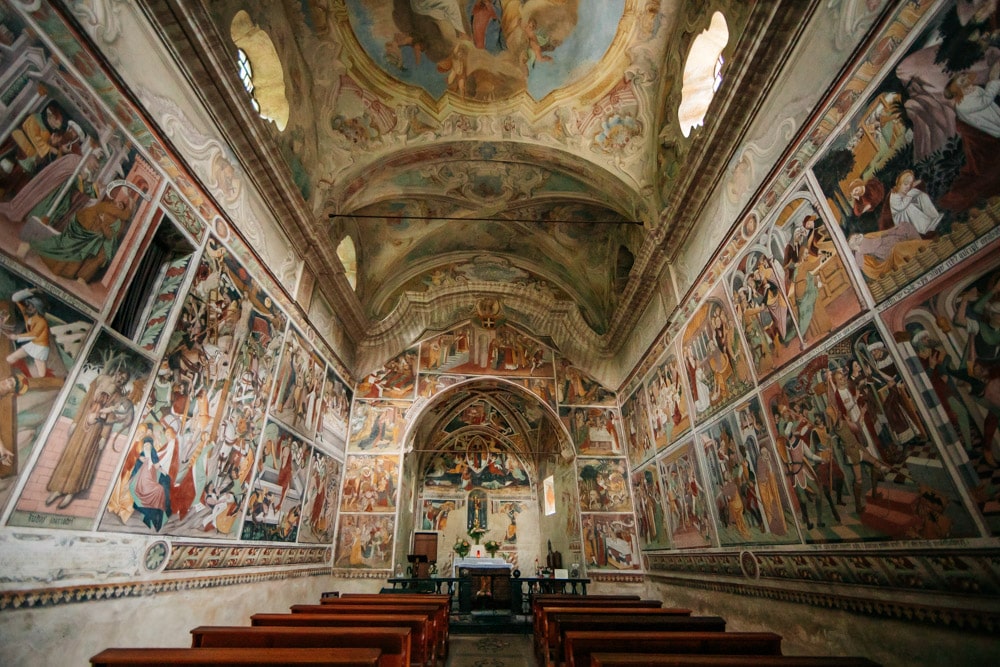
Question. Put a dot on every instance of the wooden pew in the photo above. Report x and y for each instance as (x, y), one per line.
(439, 617)
(578, 645)
(658, 660)
(394, 643)
(424, 597)
(561, 623)
(394, 601)
(422, 648)
(547, 638)
(542, 607)
(236, 657)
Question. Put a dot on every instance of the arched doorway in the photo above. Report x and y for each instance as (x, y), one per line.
(477, 455)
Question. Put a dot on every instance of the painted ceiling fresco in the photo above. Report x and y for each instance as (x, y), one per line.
(486, 50)
(537, 134)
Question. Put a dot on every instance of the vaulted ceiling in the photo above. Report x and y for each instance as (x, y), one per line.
(523, 150)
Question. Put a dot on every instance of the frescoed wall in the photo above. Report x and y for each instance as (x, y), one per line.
(140, 355)
(32, 374)
(837, 350)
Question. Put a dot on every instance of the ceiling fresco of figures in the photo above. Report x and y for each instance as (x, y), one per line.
(538, 134)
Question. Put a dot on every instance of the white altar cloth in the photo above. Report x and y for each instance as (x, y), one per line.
(479, 563)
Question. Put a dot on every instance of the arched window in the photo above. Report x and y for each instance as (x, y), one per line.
(702, 74)
(349, 258)
(260, 69)
(246, 76)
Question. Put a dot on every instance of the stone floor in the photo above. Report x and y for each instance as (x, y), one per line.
(492, 650)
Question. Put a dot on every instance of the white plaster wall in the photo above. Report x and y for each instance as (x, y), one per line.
(808, 630)
(69, 634)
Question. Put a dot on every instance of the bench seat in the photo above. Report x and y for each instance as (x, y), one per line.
(236, 657)
(394, 643)
(661, 660)
(578, 645)
(422, 648)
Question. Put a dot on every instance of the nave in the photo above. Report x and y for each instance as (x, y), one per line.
(402, 630)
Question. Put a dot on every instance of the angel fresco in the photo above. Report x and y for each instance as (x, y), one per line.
(851, 441)
(483, 49)
(912, 170)
(950, 330)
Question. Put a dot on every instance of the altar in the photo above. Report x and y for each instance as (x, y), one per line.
(484, 583)
(479, 564)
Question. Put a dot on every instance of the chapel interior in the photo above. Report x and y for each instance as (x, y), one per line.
(693, 300)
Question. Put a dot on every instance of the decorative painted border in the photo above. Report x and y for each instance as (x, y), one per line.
(187, 557)
(344, 573)
(973, 620)
(885, 581)
(30, 599)
(615, 577)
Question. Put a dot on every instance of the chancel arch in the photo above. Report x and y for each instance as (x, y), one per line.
(475, 457)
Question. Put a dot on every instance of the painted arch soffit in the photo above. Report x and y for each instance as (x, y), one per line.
(490, 409)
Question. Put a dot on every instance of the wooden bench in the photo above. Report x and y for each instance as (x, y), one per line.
(236, 657)
(423, 597)
(658, 660)
(422, 648)
(567, 622)
(394, 643)
(578, 645)
(543, 607)
(547, 638)
(442, 604)
(439, 618)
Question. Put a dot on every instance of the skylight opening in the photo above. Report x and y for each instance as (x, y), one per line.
(349, 259)
(264, 79)
(702, 74)
(246, 76)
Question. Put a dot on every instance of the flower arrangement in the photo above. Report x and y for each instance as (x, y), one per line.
(461, 547)
(476, 533)
(492, 547)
